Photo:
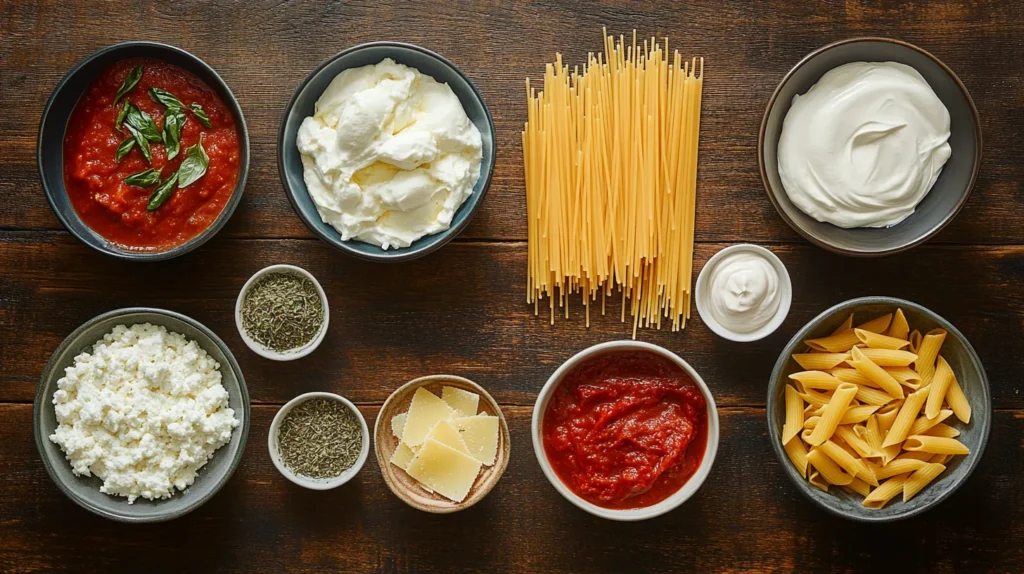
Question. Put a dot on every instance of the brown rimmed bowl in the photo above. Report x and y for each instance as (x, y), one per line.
(405, 487)
(946, 197)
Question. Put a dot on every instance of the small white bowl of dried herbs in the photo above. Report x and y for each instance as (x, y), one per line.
(319, 440)
(282, 313)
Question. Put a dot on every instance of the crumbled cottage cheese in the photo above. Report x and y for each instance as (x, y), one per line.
(144, 412)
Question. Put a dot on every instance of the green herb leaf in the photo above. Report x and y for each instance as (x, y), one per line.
(194, 165)
(125, 147)
(166, 98)
(142, 141)
(130, 82)
(121, 115)
(147, 178)
(143, 123)
(201, 115)
(162, 193)
(173, 122)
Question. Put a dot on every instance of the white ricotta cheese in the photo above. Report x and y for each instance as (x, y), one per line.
(389, 154)
(144, 412)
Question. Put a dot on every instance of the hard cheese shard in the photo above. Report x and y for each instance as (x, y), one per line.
(444, 433)
(461, 400)
(480, 434)
(444, 470)
(424, 412)
(398, 424)
(402, 456)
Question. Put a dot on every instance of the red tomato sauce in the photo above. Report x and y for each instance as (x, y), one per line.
(626, 429)
(94, 180)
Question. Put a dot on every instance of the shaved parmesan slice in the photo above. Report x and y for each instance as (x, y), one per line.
(480, 434)
(424, 412)
(403, 456)
(398, 424)
(463, 401)
(444, 470)
(444, 433)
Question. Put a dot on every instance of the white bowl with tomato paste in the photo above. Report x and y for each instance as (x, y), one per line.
(656, 413)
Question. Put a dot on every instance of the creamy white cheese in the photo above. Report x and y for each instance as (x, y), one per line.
(743, 291)
(389, 154)
(864, 145)
(144, 411)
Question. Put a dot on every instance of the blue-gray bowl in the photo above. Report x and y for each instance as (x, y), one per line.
(50, 146)
(86, 491)
(946, 197)
(301, 106)
(969, 373)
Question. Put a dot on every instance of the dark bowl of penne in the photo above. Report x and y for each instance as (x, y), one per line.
(878, 409)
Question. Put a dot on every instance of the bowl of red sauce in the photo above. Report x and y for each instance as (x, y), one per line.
(143, 151)
(625, 430)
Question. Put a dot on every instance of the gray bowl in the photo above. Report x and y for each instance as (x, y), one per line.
(301, 106)
(969, 373)
(50, 146)
(86, 491)
(947, 196)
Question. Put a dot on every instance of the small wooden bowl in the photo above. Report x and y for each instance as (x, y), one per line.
(407, 488)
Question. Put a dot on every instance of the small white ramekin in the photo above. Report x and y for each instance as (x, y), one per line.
(315, 483)
(702, 294)
(291, 354)
(632, 514)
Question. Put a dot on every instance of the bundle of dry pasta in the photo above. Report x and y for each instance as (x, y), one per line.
(610, 155)
(869, 411)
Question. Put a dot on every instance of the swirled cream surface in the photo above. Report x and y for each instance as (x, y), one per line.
(743, 291)
(389, 154)
(864, 145)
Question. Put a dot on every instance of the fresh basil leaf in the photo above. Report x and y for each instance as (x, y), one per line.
(125, 147)
(166, 98)
(130, 82)
(141, 141)
(143, 123)
(173, 122)
(201, 115)
(162, 194)
(194, 165)
(147, 178)
(121, 115)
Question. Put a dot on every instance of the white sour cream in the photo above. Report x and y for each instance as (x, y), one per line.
(389, 154)
(864, 145)
(743, 291)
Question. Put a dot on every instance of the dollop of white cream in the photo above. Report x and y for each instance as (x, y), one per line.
(744, 291)
(389, 154)
(864, 145)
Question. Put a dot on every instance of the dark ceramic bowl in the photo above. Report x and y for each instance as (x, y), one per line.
(85, 491)
(50, 148)
(969, 373)
(947, 196)
(301, 106)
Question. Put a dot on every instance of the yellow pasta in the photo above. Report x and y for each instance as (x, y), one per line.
(915, 341)
(859, 486)
(858, 414)
(905, 375)
(935, 445)
(834, 411)
(878, 341)
(928, 353)
(899, 328)
(922, 424)
(942, 430)
(872, 434)
(957, 401)
(797, 453)
(851, 375)
(901, 465)
(820, 361)
(877, 374)
(906, 417)
(794, 414)
(829, 470)
(816, 480)
(889, 357)
(858, 444)
(885, 492)
(920, 479)
(921, 456)
(816, 380)
(874, 397)
(940, 384)
(852, 465)
(879, 325)
(815, 398)
(844, 326)
(838, 343)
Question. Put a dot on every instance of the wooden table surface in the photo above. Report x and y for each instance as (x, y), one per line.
(462, 310)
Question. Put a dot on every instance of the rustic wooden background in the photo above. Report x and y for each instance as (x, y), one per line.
(462, 310)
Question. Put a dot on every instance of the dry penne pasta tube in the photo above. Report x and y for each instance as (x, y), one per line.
(870, 410)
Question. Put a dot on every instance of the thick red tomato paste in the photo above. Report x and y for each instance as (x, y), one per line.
(626, 429)
(94, 179)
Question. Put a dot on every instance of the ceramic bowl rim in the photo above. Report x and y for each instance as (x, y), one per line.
(310, 483)
(685, 492)
(259, 349)
(41, 400)
(404, 253)
(774, 434)
(965, 195)
(236, 194)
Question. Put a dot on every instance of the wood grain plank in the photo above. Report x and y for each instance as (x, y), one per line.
(748, 48)
(462, 311)
(747, 517)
